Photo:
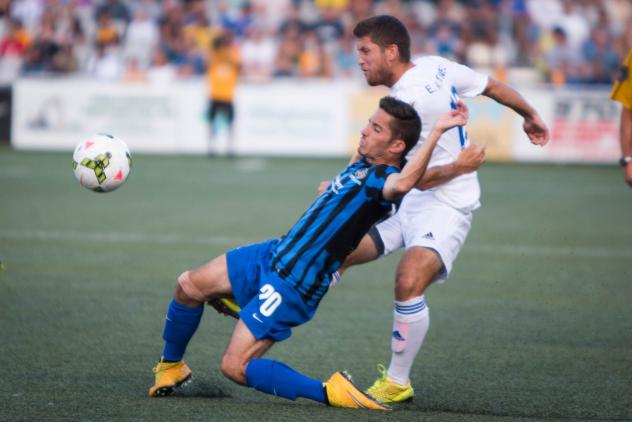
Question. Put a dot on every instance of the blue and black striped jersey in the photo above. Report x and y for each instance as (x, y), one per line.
(331, 228)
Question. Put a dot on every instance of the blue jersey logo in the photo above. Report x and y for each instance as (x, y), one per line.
(397, 336)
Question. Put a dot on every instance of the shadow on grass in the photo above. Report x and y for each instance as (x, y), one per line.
(201, 389)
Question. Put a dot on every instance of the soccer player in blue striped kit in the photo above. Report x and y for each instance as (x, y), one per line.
(279, 283)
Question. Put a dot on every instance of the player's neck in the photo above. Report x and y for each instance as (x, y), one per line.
(383, 161)
(397, 70)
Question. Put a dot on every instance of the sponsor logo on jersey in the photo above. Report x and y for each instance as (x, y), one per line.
(336, 185)
(361, 173)
(429, 235)
(358, 176)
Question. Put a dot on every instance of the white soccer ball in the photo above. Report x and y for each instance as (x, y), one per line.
(101, 163)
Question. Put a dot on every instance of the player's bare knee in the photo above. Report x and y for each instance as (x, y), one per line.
(416, 271)
(407, 286)
(187, 291)
(208, 281)
(408, 281)
(233, 368)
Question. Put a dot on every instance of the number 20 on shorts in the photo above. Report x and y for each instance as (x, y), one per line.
(271, 300)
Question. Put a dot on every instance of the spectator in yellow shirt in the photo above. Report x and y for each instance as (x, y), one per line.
(107, 33)
(222, 77)
(622, 92)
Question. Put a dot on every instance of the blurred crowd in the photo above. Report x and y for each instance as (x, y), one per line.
(559, 41)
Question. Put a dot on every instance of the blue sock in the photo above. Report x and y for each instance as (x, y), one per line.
(180, 325)
(276, 378)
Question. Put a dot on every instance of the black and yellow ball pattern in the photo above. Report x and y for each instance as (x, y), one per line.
(98, 164)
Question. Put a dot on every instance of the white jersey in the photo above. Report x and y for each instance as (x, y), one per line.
(432, 87)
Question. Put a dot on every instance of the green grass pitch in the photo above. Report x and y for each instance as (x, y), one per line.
(534, 324)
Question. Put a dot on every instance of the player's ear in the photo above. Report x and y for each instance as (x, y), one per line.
(397, 146)
(392, 52)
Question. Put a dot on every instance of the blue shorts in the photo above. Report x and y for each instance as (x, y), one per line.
(270, 306)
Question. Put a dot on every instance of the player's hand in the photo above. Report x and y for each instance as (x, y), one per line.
(627, 171)
(536, 130)
(454, 118)
(470, 158)
(323, 186)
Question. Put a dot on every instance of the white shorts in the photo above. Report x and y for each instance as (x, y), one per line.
(423, 220)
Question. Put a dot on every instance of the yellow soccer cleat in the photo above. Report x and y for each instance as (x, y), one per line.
(226, 306)
(169, 375)
(342, 393)
(388, 391)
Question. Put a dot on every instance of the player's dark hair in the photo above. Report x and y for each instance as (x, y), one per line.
(405, 125)
(385, 30)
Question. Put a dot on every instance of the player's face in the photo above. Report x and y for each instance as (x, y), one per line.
(372, 61)
(375, 138)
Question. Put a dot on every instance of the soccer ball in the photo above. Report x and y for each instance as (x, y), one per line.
(101, 163)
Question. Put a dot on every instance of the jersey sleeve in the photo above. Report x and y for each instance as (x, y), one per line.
(468, 83)
(376, 178)
(622, 88)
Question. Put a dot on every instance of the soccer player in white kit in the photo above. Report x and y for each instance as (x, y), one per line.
(433, 221)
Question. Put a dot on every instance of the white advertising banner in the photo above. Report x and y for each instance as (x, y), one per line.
(57, 114)
(584, 127)
(290, 118)
(294, 118)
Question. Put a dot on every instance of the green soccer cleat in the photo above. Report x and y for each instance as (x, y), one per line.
(341, 392)
(388, 391)
(169, 375)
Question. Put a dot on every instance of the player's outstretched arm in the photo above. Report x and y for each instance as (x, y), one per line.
(470, 159)
(399, 184)
(533, 125)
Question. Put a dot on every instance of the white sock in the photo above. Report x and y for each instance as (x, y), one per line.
(411, 319)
